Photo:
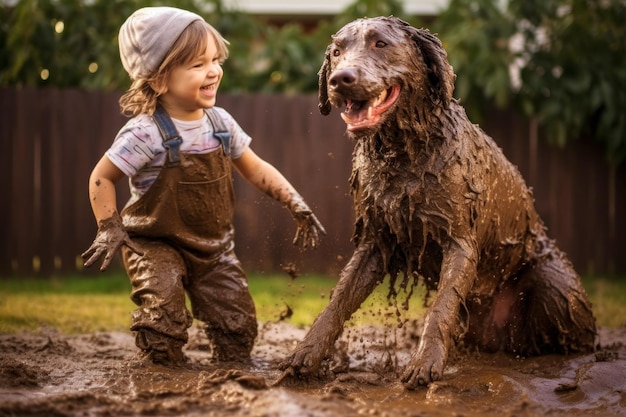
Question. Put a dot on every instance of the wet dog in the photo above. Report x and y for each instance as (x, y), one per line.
(436, 200)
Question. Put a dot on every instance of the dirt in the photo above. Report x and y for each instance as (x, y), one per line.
(102, 374)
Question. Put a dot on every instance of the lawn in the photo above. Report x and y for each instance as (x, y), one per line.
(84, 304)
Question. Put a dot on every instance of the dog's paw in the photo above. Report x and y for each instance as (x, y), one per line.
(304, 361)
(422, 370)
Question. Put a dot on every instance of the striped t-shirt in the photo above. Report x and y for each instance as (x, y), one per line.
(138, 149)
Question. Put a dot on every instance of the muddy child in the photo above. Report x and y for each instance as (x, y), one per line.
(176, 231)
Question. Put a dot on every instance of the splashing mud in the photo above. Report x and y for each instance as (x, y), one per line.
(51, 374)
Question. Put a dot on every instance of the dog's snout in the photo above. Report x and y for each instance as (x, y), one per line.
(343, 78)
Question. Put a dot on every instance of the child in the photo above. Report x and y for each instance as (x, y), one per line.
(180, 212)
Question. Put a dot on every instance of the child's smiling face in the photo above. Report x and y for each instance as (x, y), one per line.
(192, 87)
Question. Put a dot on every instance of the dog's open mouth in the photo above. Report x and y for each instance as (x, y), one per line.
(363, 114)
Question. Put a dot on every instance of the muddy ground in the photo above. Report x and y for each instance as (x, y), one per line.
(51, 374)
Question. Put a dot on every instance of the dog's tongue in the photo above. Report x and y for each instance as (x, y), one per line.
(361, 114)
(356, 111)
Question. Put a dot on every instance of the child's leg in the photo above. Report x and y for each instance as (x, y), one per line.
(161, 321)
(219, 295)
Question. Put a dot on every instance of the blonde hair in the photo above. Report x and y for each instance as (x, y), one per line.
(143, 94)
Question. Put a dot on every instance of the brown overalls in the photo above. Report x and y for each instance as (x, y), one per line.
(183, 223)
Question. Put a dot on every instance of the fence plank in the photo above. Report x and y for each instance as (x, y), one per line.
(23, 236)
(8, 100)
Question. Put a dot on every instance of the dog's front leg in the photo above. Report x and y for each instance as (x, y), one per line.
(358, 279)
(458, 272)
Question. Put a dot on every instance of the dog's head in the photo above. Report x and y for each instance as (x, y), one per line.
(374, 64)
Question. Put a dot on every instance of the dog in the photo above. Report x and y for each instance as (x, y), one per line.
(436, 200)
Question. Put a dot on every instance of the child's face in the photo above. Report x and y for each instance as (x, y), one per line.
(192, 87)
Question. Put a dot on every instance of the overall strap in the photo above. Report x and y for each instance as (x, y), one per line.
(219, 129)
(171, 138)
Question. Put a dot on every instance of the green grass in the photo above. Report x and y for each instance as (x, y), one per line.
(81, 304)
(76, 304)
(608, 298)
(84, 304)
(305, 297)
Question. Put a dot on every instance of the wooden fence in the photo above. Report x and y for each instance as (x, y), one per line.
(50, 139)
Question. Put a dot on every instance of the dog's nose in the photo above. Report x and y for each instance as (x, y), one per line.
(343, 78)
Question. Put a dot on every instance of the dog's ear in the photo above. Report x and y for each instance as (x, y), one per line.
(440, 73)
(324, 105)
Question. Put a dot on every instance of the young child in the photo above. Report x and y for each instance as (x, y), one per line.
(177, 150)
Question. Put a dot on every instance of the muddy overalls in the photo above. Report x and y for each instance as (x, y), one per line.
(184, 225)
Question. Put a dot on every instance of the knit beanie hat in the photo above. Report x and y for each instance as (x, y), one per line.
(147, 36)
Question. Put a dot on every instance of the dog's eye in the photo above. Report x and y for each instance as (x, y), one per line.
(381, 44)
(336, 52)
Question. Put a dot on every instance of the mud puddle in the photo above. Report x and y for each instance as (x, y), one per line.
(51, 374)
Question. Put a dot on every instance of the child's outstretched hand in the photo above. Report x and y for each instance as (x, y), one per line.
(309, 229)
(110, 237)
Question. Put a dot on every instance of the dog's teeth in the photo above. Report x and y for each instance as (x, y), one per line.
(381, 98)
(370, 109)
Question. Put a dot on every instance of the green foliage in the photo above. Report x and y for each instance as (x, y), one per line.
(54, 43)
(475, 35)
(561, 61)
(575, 81)
(284, 63)
(73, 43)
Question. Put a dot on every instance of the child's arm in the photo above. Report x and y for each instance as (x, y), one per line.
(111, 233)
(268, 179)
(102, 182)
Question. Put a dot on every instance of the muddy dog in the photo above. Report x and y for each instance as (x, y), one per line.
(436, 200)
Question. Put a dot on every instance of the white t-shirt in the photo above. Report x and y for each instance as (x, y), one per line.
(139, 153)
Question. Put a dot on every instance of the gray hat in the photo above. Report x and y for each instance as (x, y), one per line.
(147, 36)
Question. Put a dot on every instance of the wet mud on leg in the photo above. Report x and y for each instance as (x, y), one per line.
(358, 279)
(543, 310)
(220, 298)
(558, 317)
(161, 319)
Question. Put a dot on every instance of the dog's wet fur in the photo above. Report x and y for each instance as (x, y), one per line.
(436, 200)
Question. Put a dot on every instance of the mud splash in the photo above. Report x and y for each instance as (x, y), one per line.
(50, 374)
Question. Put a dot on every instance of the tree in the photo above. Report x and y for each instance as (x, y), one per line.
(73, 43)
(61, 43)
(561, 62)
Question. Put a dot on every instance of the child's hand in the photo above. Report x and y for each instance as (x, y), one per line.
(309, 228)
(110, 237)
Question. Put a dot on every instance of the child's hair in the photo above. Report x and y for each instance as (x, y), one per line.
(142, 96)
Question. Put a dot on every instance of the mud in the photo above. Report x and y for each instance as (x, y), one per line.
(52, 374)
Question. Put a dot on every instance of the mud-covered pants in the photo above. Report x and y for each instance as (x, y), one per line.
(218, 293)
(183, 223)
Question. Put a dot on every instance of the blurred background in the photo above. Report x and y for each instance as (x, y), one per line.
(545, 78)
